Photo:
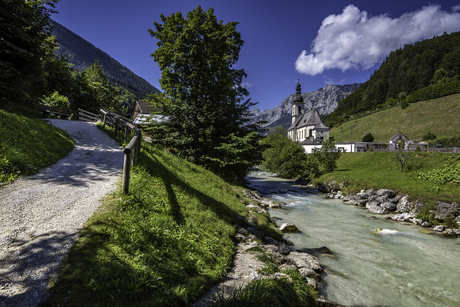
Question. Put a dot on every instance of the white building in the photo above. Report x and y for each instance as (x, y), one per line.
(307, 128)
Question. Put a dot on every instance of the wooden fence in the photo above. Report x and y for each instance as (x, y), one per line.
(87, 116)
(120, 123)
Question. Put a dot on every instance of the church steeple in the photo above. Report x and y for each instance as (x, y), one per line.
(298, 105)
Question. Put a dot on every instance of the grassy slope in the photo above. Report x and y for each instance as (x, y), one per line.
(27, 145)
(164, 244)
(439, 116)
(379, 170)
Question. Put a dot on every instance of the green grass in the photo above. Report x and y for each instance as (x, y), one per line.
(438, 116)
(28, 145)
(272, 292)
(378, 170)
(164, 244)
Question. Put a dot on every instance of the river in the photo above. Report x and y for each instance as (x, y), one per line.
(401, 266)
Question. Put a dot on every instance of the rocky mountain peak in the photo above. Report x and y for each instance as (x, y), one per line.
(325, 100)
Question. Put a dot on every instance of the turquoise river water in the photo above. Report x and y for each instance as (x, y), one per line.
(402, 267)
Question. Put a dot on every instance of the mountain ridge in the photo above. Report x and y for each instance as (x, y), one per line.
(83, 54)
(325, 100)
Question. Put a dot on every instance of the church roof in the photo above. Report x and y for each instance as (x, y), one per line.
(310, 118)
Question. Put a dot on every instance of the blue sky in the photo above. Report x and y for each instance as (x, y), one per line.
(321, 42)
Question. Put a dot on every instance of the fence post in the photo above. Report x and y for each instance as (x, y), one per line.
(105, 116)
(126, 133)
(126, 170)
(116, 127)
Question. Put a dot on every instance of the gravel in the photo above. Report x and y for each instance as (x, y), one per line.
(41, 215)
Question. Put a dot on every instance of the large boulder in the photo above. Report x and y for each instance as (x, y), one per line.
(387, 193)
(374, 207)
(389, 206)
(403, 217)
(255, 232)
(404, 205)
(286, 227)
(324, 188)
(307, 265)
(283, 249)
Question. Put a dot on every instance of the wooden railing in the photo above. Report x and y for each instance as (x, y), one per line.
(87, 116)
(120, 123)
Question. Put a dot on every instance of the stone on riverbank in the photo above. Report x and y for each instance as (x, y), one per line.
(286, 227)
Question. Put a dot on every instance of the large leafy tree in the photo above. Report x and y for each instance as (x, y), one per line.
(203, 96)
(24, 44)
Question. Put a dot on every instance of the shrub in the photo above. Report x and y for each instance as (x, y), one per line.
(368, 137)
(404, 104)
(429, 136)
(56, 100)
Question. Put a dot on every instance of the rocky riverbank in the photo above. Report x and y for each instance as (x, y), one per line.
(248, 265)
(399, 208)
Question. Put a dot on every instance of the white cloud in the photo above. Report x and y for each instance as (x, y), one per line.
(353, 40)
(246, 85)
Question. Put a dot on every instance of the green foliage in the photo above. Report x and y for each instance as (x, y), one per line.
(272, 292)
(428, 136)
(164, 244)
(427, 212)
(27, 145)
(203, 96)
(288, 158)
(24, 47)
(451, 223)
(404, 104)
(435, 91)
(283, 156)
(449, 172)
(445, 142)
(56, 100)
(324, 159)
(368, 137)
(95, 91)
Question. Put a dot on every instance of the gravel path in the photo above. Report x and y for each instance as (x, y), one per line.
(41, 215)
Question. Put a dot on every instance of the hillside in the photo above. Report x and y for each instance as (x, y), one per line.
(438, 116)
(83, 54)
(404, 71)
(325, 99)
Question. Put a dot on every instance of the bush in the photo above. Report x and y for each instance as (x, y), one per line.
(429, 136)
(404, 104)
(56, 100)
(283, 156)
(368, 138)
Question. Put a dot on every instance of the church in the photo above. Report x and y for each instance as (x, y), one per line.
(308, 128)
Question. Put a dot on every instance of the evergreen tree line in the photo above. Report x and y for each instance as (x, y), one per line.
(424, 70)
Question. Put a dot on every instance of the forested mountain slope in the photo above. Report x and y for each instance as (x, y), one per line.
(403, 72)
(83, 54)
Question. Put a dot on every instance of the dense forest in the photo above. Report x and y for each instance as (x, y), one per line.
(424, 70)
(83, 54)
